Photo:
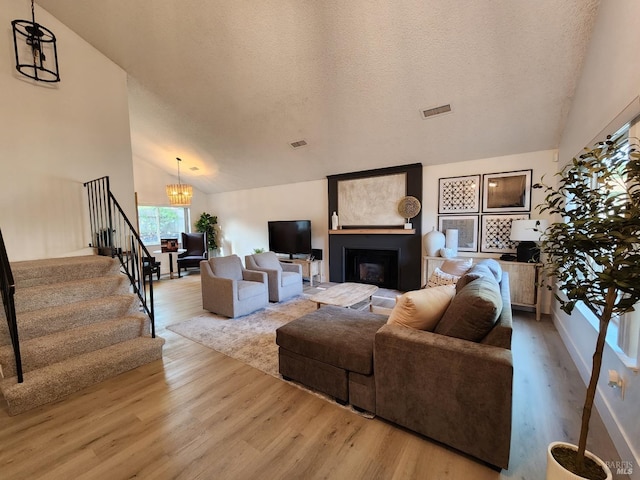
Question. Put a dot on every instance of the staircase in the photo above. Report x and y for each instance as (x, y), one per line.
(79, 324)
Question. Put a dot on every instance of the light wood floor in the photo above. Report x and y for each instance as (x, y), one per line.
(198, 414)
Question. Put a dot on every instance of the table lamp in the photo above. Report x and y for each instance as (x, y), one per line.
(527, 233)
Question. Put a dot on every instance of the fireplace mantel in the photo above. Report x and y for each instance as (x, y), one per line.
(373, 231)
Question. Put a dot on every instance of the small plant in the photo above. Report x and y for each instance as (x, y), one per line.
(258, 250)
(594, 252)
(207, 224)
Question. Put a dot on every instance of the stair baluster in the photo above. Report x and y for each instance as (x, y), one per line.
(8, 291)
(114, 235)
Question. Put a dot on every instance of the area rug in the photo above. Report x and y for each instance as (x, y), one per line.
(250, 339)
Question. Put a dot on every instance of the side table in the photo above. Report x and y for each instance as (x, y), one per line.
(180, 250)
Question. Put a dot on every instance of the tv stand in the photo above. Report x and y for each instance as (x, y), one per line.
(310, 268)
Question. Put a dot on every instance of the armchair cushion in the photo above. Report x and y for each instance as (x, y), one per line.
(248, 289)
(228, 267)
(290, 278)
(267, 260)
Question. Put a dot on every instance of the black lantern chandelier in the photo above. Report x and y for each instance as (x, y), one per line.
(35, 48)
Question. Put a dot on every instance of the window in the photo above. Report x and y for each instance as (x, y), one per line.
(162, 222)
(624, 331)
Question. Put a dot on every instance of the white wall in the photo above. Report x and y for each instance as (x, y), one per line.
(54, 138)
(243, 215)
(610, 77)
(610, 80)
(541, 162)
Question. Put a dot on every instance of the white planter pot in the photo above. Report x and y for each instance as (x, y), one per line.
(555, 471)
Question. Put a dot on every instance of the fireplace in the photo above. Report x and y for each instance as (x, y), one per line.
(402, 273)
(373, 266)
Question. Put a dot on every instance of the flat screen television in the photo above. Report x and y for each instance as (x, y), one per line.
(292, 237)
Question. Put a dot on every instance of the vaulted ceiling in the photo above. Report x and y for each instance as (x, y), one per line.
(228, 85)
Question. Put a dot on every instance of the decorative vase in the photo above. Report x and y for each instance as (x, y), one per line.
(451, 240)
(334, 221)
(433, 242)
(555, 471)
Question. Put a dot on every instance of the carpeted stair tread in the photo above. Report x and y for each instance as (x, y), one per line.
(46, 321)
(31, 273)
(61, 379)
(46, 296)
(42, 351)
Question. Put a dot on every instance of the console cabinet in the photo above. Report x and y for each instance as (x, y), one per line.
(310, 268)
(523, 279)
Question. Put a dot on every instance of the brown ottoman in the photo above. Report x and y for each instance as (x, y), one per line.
(323, 349)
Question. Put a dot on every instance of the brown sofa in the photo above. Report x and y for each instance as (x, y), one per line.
(455, 391)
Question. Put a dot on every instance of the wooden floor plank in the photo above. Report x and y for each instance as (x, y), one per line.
(198, 414)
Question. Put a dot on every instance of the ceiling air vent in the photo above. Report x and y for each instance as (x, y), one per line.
(298, 144)
(432, 112)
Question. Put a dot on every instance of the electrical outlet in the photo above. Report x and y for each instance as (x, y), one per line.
(616, 381)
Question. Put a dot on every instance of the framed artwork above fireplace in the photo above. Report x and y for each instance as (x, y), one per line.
(371, 200)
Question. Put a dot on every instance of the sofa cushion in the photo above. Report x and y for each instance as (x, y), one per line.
(334, 335)
(422, 309)
(488, 267)
(438, 278)
(494, 267)
(267, 260)
(472, 275)
(456, 267)
(473, 311)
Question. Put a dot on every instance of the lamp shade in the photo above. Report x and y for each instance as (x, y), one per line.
(179, 194)
(527, 230)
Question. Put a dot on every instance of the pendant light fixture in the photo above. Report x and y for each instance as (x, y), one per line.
(35, 50)
(179, 193)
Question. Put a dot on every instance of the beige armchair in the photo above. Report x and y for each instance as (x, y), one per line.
(285, 279)
(229, 289)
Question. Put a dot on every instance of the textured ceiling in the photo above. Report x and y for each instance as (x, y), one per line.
(227, 86)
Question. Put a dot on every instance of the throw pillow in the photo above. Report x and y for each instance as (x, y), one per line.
(422, 309)
(439, 278)
(473, 311)
(456, 267)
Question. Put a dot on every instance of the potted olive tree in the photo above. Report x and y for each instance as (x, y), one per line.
(593, 254)
(208, 225)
